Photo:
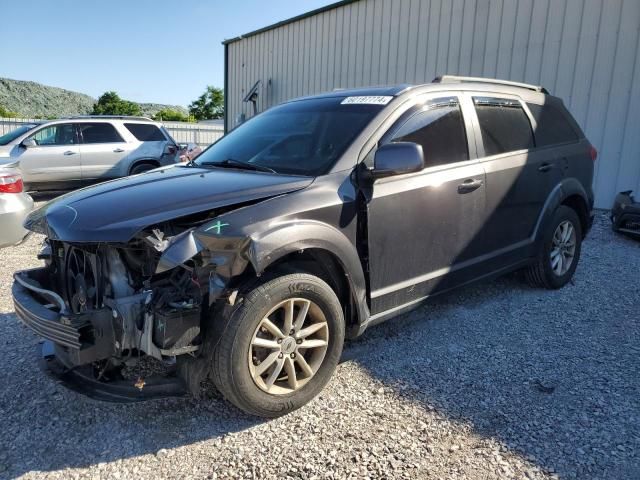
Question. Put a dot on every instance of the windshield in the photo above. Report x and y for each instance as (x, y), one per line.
(13, 134)
(304, 137)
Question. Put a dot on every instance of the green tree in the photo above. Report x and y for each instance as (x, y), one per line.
(209, 105)
(4, 113)
(111, 104)
(170, 115)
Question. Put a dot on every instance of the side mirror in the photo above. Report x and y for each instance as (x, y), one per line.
(398, 158)
(29, 143)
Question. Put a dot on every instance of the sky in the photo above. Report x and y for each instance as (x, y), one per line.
(156, 51)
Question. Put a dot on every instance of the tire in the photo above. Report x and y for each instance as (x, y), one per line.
(142, 167)
(542, 273)
(237, 360)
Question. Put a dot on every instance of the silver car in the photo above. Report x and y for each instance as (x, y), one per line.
(66, 153)
(15, 205)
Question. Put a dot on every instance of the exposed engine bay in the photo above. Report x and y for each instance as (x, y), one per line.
(146, 297)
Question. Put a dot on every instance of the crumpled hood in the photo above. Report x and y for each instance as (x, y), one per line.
(115, 211)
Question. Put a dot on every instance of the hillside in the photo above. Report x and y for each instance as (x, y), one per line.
(32, 99)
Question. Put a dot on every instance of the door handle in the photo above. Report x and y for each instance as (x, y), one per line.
(118, 150)
(545, 167)
(469, 185)
(69, 152)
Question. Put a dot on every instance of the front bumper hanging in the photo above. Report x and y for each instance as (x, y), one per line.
(82, 380)
(74, 341)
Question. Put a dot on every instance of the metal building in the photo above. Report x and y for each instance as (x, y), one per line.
(584, 51)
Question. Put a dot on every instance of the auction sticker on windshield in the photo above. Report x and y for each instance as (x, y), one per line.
(369, 100)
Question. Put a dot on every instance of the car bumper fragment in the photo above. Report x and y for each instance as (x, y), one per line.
(82, 380)
(625, 214)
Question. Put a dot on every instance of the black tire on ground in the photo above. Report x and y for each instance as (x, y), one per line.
(230, 369)
(541, 274)
(142, 167)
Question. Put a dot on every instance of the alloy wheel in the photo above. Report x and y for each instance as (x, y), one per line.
(288, 346)
(563, 248)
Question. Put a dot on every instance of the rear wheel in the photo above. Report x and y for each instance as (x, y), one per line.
(559, 252)
(142, 167)
(280, 345)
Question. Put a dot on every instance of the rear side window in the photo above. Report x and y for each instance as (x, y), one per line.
(99, 133)
(145, 132)
(439, 128)
(504, 125)
(552, 125)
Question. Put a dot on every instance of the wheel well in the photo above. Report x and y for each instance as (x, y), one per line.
(155, 163)
(326, 266)
(577, 203)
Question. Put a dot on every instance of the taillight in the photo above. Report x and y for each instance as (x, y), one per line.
(11, 184)
(593, 152)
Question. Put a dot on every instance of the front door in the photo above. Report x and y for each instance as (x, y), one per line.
(423, 227)
(55, 160)
(103, 151)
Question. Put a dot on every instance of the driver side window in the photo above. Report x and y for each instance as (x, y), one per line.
(439, 128)
(63, 134)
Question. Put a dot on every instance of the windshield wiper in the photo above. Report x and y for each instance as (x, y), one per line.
(233, 163)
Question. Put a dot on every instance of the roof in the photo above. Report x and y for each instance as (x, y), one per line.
(109, 117)
(390, 91)
(290, 20)
(443, 83)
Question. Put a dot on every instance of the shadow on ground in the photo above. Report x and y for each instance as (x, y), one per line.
(551, 375)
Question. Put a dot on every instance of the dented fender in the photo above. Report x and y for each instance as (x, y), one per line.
(298, 235)
(229, 255)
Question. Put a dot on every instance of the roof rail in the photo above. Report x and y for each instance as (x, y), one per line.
(457, 79)
(111, 117)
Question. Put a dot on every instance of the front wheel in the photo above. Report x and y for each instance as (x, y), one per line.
(279, 346)
(559, 252)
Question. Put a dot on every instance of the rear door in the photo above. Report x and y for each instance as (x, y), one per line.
(557, 134)
(519, 176)
(422, 226)
(56, 158)
(104, 151)
(155, 143)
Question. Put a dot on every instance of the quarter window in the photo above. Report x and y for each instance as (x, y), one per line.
(439, 128)
(99, 133)
(63, 134)
(504, 125)
(145, 132)
(552, 126)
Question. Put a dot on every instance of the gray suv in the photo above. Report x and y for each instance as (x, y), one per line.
(306, 225)
(70, 152)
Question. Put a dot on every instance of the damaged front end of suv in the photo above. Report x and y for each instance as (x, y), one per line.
(145, 292)
(243, 269)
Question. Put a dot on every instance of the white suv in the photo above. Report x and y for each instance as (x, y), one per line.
(70, 152)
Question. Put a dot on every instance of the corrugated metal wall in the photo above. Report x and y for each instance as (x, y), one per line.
(585, 51)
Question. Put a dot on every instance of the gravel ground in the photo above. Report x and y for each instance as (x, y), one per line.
(496, 381)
